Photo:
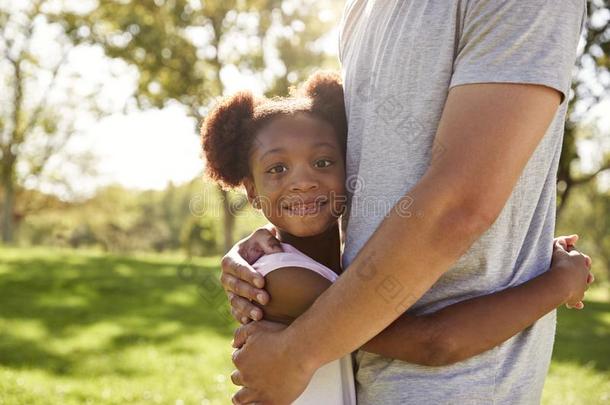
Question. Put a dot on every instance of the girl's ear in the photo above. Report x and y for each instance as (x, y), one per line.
(251, 192)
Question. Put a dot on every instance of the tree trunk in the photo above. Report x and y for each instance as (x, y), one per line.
(563, 200)
(9, 154)
(228, 219)
(7, 206)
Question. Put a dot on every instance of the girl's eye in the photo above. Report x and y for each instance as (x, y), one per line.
(323, 163)
(277, 169)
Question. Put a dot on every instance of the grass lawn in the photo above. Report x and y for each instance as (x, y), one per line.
(81, 327)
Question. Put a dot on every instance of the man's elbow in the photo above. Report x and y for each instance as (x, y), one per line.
(471, 218)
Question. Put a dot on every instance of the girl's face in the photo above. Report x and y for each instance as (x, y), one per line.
(298, 174)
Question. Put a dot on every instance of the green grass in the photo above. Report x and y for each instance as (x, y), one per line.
(580, 371)
(80, 327)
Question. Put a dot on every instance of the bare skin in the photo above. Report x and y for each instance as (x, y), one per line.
(454, 333)
(489, 132)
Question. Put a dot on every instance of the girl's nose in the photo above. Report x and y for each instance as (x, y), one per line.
(303, 182)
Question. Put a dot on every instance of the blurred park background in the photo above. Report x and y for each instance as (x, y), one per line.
(111, 237)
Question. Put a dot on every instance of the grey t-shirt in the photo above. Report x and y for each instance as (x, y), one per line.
(399, 60)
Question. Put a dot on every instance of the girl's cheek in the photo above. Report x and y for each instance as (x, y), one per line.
(272, 184)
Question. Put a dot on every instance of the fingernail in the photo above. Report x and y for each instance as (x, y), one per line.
(254, 314)
(260, 297)
(258, 282)
(244, 319)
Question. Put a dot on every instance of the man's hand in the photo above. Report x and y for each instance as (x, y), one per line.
(264, 358)
(240, 280)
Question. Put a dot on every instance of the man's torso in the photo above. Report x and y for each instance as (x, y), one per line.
(398, 61)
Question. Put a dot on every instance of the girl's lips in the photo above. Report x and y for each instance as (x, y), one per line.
(305, 209)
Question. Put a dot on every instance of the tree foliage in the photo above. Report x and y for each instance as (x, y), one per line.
(39, 103)
(589, 86)
(182, 49)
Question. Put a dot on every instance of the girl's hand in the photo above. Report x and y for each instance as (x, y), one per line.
(240, 280)
(567, 242)
(572, 269)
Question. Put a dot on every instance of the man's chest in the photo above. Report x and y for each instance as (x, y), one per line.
(397, 65)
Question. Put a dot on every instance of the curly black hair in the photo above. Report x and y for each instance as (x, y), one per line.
(228, 131)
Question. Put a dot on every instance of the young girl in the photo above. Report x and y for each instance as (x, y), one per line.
(288, 153)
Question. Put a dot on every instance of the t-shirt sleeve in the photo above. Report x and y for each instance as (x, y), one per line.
(516, 41)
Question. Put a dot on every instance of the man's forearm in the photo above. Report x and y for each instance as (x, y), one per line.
(470, 327)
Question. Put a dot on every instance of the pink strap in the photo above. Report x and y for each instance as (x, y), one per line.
(292, 257)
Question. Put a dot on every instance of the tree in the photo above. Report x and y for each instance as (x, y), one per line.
(594, 58)
(184, 50)
(586, 214)
(38, 105)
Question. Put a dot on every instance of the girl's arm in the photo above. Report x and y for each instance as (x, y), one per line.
(470, 327)
(454, 333)
(474, 326)
(292, 290)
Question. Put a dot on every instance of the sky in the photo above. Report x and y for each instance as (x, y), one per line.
(147, 149)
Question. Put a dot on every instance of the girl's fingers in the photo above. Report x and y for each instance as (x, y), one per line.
(265, 242)
(244, 396)
(247, 291)
(572, 239)
(561, 243)
(236, 378)
(236, 266)
(567, 242)
(232, 284)
(243, 310)
(578, 305)
(271, 245)
(240, 318)
(588, 261)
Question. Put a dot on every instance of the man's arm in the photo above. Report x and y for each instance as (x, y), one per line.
(488, 132)
(470, 327)
(456, 332)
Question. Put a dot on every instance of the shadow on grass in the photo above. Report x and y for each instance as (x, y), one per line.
(584, 336)
(18, 352)
(65, 294)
